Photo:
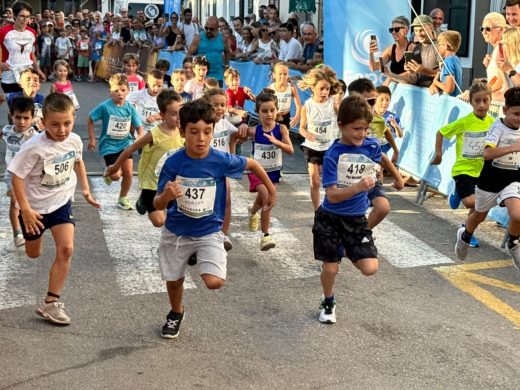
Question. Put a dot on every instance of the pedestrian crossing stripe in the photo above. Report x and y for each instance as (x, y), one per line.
(465, 278)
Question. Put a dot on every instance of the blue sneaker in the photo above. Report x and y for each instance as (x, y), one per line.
(454, 200)
(474, 243)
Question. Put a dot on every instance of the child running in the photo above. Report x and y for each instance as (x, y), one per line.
(193, 188)
(145, 100)
(15, 135)
(270, 140)
(499, 180)
(44, 176)
(30, 83)
(117, 116)
(286, 94)
(225, 137)
(157, 144)
(131, 64)
(471, 132)
(349, 169)
(195, 86)
(318, 124)
(178, 81)
(63, 84)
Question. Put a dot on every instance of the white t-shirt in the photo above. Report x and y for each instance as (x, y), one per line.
(145, 105)
(195, 89)
(62, 46)
(189, 31)
(14, 140)
(291, 50)
(47, 168)
(224, 129)
(19, 45)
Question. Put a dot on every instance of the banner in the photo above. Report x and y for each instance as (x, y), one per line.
(350, 23)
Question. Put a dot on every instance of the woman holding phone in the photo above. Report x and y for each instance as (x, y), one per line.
(509, 63)
(393, 53)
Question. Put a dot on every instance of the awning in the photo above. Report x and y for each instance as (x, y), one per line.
(302, 6)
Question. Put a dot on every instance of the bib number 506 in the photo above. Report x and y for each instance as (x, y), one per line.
(60, 168)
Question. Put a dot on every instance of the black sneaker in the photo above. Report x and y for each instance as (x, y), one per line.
(193, 259)
(170, 330)
(139, 206)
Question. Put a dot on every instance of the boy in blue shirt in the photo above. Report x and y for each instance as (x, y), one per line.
(447, 80)
(349, 173)
(118, 118)
(192, 185)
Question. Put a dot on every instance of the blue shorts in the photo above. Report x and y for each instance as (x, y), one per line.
(377, 191)
(57, 217)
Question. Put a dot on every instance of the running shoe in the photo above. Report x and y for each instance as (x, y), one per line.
(53, 312)
(461, 248)
(474, 243)
(254, 220)
(139, 206)
(514, 252)
(267, 243)
(106, 178)
(170, 330)
(228, 245)
(327, 312)
(19, 240)
(454, 200)
(124, 204)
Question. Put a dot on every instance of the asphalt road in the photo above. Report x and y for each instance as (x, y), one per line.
(425, 320)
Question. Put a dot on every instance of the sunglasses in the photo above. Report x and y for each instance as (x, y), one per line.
(371, 101)
(210, 28)
(395, 29)
(263, 30)
(487, 29)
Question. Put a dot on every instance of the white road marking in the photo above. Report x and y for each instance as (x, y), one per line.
(132, 242)
(403, 250)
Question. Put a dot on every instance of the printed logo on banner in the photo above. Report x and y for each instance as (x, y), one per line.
(361, 47)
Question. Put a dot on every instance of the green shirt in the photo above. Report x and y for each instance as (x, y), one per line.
(471, 134)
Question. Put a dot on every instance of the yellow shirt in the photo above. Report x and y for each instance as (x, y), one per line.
(154, 156)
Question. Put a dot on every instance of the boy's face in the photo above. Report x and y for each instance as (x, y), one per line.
(178, 82)
(382, 103)
(219, 102)
(200, 72)
(131, 68)
(233, 82)
(119, 94)
(442, 47)
(198, 137)
(58, 125)
(512, 116)
(354, 133)
(22, 120)
(30, 83)
(171, 115)
(154, 86)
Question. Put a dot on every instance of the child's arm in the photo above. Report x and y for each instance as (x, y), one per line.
(256, 168)
(303, 127)
(437, 159)
(396, 127)
(81, 174)
(337, 195)
(91, 135)
(140, 131)
(490, 152)
(298, 104)
(390, 138)
(138, 144)
(390, 167)
(285, 144)
(250, 95)
(172, 191)
(53, 89)
(31, 219)
(447, 87)
(240, 135)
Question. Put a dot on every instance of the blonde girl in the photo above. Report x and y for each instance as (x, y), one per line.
(62, 84)
(286, 94)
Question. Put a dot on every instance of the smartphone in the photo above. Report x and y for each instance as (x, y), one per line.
(492, 81)
(500, 49)
(373, 39)
(381, 65)
(408, 56)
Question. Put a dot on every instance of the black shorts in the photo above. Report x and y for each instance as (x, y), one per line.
(465, 185)
(13, 87)
(57, 217)
(312, 156)
(286, 120)
(377, 191)
(331, 230)
(110, 159)
(147, 197)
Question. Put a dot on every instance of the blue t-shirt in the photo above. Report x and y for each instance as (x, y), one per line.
(200, 211)
(186, 97)
(454, 66)
(345, 165)
(115, 132)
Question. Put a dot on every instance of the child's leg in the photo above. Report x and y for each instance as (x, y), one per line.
(13, 214)
(227, 214)
(328, 278)
(259, 202)
(212, 282)
(368, 266)
(381, 208)
(127, 172)
(33, 248)
(469, 203)
(513, 208)
(175, 293)
(157, 218)
(314, 177)
(64, 241)
(265, 216)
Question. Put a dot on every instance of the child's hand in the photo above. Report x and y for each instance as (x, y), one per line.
(110, 170)
(173, 190)
(366, 184)
(242, 131)
(398, 183)
(395, 156)
(90, 200)
(309, 136)
(272, 139)
(91, 145)
(271, 201)
(433, 89)
(294, 122)
(437, 159)
(31, 220)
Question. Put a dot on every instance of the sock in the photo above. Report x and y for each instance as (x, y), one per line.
(329, 300)
(466, 236)
(266, 234)
(513, 240)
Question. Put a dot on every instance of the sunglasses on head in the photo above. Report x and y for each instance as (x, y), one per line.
(487, 29)
(395, 29)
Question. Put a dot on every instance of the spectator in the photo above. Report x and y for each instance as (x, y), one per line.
(228, 35)
(513, 12)
(493, 25)
(139, 37)
(274, 15)
(449, 79)
(249, 19)
(248, 46)
(262, 14)
(267, 49)
(85, 22)
(43, 50)
(238, 25)
(155, 38)
(222, 24)
(274, 33)
(179, 45)
(189, 27)
(510, 63)
(46, 17)
(126, 33)
(170, 30)
(310, 38)
(290, 48)
(437, 16)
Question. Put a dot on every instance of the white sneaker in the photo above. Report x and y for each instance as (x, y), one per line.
(514, 252)
(327, 312)
(54, 312)
(19, 240)
(461, 248)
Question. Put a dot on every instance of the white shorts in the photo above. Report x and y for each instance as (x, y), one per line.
(485, 201)
(174, 252)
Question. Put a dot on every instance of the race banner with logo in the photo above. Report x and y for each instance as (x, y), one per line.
(350, 24)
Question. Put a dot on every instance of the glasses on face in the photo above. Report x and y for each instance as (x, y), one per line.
(487, 28)
(263, 30)
(272, 33)
(371, 101)
(23, 17)
(210, 28)
(395, 30)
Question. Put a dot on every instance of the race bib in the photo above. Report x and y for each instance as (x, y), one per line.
(83, 46)
(198, 196)
(57, 171)
(354, 167)
(48, 41)
(118, 128)
(284, 102)
(269, 157)
(510, 161)
(133, 86)
(221, 140)
(10, 152)
(162, 160)
(74, 99)
(98, 46)
(473, 144)
(323, 130)
(145, 113)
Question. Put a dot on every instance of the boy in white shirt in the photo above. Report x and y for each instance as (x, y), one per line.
(145, 100)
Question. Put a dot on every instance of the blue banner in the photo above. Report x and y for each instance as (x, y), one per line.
(349, 24)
